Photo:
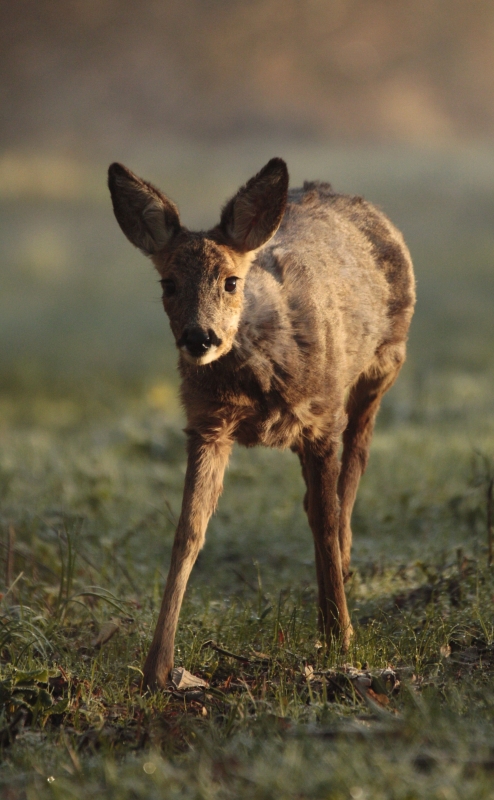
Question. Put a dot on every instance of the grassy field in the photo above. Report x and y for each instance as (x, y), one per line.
(91, 471)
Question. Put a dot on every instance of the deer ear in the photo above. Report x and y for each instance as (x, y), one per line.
(253, 216)
(148, 219)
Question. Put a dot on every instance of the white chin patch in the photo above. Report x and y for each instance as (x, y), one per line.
(211, 355)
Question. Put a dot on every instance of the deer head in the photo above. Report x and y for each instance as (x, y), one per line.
(202, 274)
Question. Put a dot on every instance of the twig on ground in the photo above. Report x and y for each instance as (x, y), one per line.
(244, 659)
(224, 652)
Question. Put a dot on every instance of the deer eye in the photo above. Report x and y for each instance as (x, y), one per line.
(168, 286)
(231, 284)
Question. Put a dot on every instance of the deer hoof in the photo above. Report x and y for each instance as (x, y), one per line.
(155, 675)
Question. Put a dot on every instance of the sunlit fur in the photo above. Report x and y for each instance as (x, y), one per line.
(313, 336)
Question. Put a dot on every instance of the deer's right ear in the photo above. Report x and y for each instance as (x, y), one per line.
(148, 219)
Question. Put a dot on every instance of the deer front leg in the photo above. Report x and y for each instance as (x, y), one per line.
(207, 459)
(321, 469)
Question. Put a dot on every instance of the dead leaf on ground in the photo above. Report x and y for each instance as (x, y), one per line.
(373, 686)
(362, 683)
(382, 699)
(106, 631)
(183, 680)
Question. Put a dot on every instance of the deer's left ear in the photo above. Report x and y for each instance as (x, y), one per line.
(253, 216)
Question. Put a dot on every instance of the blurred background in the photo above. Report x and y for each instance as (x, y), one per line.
(392, 99)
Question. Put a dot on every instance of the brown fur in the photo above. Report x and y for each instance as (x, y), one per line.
(297, 356)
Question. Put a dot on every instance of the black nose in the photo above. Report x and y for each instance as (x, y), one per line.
(196, 341)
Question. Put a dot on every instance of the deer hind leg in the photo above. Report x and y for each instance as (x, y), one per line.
(299, 450)
(362, 407)
(320, 467)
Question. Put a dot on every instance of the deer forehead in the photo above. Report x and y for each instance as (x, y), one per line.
(200, 258)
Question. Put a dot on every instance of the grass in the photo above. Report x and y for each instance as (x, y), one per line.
(407, 713)
(91, 475)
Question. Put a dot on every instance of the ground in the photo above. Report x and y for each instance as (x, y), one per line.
(91, 473)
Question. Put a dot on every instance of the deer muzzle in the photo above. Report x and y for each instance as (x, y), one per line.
(196, 341)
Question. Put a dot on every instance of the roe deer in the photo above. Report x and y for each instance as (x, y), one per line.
(291, 319)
